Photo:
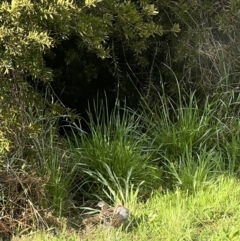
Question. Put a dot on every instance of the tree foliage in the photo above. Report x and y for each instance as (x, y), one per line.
(30, 28)
(79, 43)
(206, 50)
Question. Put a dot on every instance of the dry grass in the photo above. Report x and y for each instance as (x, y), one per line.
(21, 211)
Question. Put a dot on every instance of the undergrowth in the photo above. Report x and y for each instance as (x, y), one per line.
(209, 214)
(167, 146)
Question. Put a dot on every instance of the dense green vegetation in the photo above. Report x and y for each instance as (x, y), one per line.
(133, 102)
(210, 214)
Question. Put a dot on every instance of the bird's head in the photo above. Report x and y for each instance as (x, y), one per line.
(102, 205)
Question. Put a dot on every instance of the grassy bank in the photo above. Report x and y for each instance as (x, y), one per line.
(212, 213)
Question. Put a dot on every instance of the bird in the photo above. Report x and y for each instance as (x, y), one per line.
(111, 216)
(104, 206)
(98, 218)
(116, 218)
(108, 216)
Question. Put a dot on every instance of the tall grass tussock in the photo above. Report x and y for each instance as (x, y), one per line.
(174, 163)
